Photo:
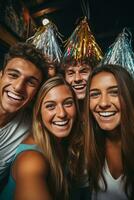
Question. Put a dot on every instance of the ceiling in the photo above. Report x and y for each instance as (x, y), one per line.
(107, 18)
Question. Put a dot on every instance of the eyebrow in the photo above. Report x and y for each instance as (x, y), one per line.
(18, 72)
(109, 88)
(85, 67)
(53, 101)
(71, 69)
(80, 68)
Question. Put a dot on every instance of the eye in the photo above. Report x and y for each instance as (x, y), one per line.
(70, 72)
(50, 106)
(94, 94)
(84, 71)
(69, 103)
(114, 92)
(32, 82)
(12, 75)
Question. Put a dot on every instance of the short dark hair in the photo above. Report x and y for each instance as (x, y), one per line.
(65, 64)
(28, 52)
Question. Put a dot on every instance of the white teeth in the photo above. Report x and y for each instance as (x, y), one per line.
(61, 123)
(14, 96)
(107, 114)
(79, 86)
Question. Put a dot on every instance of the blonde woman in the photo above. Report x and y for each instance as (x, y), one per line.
(41, 163)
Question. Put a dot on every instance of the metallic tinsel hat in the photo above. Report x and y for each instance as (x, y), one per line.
(46, 39)
(81, 45)
(120, 52)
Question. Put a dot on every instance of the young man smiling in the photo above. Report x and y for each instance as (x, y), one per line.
(81, 55)
(77, 76)
(22, 74)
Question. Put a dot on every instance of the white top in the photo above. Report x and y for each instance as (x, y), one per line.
(11, 135)
(115, 187)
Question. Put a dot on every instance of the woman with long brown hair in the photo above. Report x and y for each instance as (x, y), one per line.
(109, 138)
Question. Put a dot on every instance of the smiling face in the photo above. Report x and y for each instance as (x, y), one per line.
(58, 111)
(104, 101)
(77, 77)
(18, 84)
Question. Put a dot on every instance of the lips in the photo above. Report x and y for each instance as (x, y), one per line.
(79, 87)
(14, 96)
(61, 123)
(107, 113)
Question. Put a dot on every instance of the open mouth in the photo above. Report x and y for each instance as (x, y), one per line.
(14, 96)
(79, 87)
(107, 114)
(61, 123)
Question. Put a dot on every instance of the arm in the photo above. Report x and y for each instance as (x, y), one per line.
(30, 171)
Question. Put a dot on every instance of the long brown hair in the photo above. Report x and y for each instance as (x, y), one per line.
(47, 141)
(95, 152)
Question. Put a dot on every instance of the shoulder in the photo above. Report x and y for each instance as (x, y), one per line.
(30, 163)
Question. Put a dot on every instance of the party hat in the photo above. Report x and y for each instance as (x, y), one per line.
(120, 52)
(46, 39)
(81, 45)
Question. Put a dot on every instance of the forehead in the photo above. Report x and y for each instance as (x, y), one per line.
(103, 80)
(58, 92)
(78, 67)
(22, 66)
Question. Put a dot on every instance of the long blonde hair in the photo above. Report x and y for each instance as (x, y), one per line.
(47, 141)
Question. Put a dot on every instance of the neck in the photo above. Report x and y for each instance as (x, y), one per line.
(113, 137)
(5, 118)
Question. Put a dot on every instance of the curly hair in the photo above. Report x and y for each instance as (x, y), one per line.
(28, 52)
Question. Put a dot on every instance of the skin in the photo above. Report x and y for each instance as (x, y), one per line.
(104, 101)
(19, 83)
(77, 77)
(105, 107)
(30, 173)
(58, 111)
(51, 71)
(30, 169)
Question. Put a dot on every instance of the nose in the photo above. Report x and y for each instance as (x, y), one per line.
(104, 101)
(61, 113)
(78, 77)
(19, 85)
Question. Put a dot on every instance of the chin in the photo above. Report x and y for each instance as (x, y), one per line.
(63, 135)
(105, 128)
(80, 97)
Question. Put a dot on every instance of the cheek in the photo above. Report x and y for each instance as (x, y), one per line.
(72, 112)
(31, 92)
(92, 105)
(86, 76)
(5, 80)
(46, 116)
(118, 104)
(68, 78)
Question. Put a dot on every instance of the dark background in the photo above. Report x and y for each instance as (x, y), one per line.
(107, 18)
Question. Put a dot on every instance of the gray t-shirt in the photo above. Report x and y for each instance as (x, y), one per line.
(11, 135)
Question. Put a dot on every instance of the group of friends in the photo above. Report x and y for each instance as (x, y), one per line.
(66, 135)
